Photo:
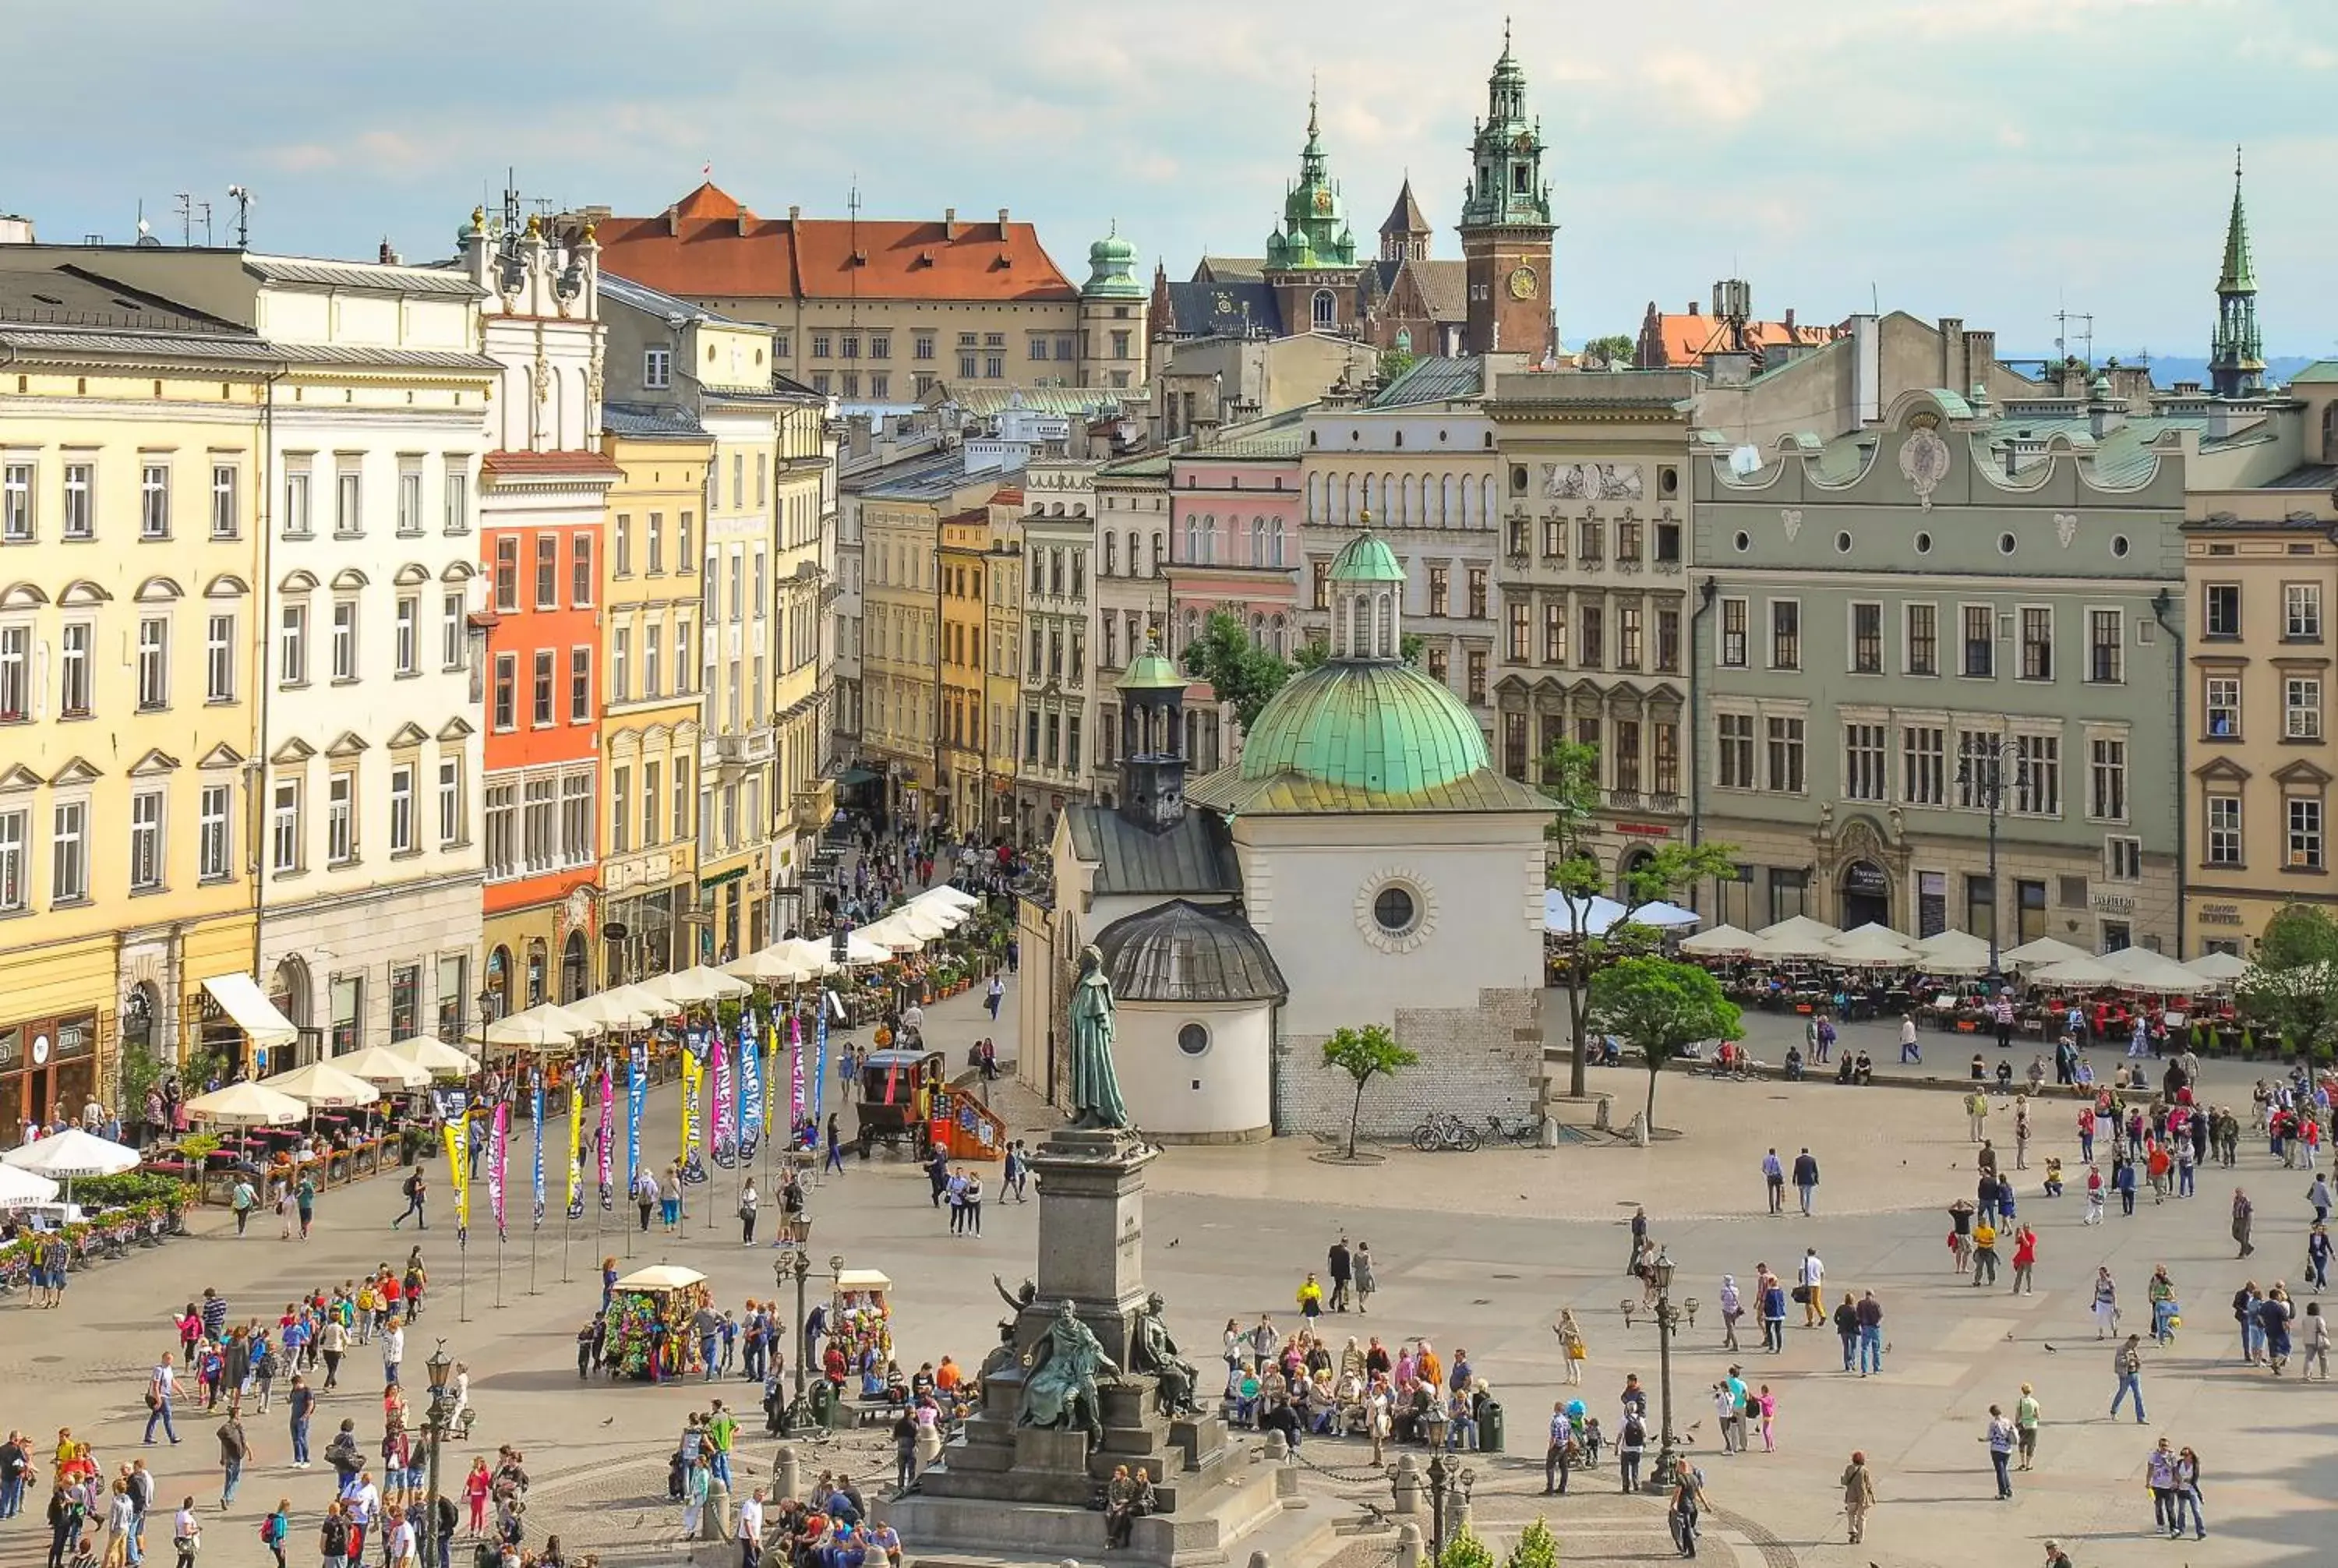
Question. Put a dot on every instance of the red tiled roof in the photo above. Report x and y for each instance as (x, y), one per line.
(589, 464)
(707, 246)
(1688, 338)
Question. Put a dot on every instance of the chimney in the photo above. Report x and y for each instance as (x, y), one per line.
(949, 223)
(1789, 321)
(795, 213)
(1866, 370)
(673, 220)
(388, 256)
(1952, 347)
(1980, 357)
(1692, 308)
(1002, 222)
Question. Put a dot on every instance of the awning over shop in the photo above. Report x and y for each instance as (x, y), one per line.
(851, 778)
(253, 1012)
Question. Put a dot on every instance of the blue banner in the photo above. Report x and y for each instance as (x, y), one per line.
(537, 1112)
(750, 1089)
(637, 1090)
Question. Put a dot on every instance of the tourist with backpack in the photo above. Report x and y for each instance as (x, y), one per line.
(417, 1190)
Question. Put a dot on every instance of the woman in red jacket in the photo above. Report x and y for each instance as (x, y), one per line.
(2025, 1258)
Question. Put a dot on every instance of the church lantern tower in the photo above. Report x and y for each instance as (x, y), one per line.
(2237, 351)
(1310, 260)
(1506, 223)
(1153, 741)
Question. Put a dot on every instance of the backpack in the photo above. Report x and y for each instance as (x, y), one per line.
(413, 1183)
(272, 1530)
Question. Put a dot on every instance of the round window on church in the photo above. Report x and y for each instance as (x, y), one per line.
(1394, 910)
(1193, 1039)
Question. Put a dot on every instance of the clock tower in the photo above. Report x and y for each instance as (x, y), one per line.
(1311, 259)
(1506, 226)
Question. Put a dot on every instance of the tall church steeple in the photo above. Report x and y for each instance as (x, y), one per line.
(1506, 223)
(2237, 351)
(1310, 260)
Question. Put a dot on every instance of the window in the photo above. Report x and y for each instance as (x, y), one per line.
(146, 840)
(1924, 639)
(541, 709)
(2301, 707)
(1441, 590)
(1590, 539)
(622, 564)
(1924, 765)
(1477, 592)
(682, 798)
(153, 664)
(1476, 675)
(345, 640)
(1785, 634)
(1980, 771)
(455, 503)
(16, 503)
(297, 520)
(1980, 642)
(1521, 645)
(2107, 780)
(1591, 635)
(450, 801)
(12, 829)
(621, 810)
(17, 673)
(81, 512)
(880, 345)
(501, 831)
(994, 367)
(341, 819)
(219, 658)
(1554, 631)
(211, 842)
(292, 646)
(2037, 642)
(1867, 639)
(682, 658)
(451, 630)
(1862, 762)
(1734, 770)
(284, 826)
(1785, 755)
(348, 516)
(921, 344)
(580, 570)
(657, 367)
(657, 546)
(650, 805)
(1733, 633)
(402, 809)
(578, 834)
(2221, 610)
(2300, 611)
(405, 638)
(2038, 776)
(507, 697)
(2123, 859)
(1664, 746)
(507, 573)
(1980, 906)
(69, 853)
(155, 501)
(2105, 655)
(580, 685)
(2305, 833)
(409, 502)
(2224, 830)
(2221, 707)
(621, 678)
(548, 570)
(823, 346)
(74, 672)
(1628, 637)
(539, 823)
(1554, 539)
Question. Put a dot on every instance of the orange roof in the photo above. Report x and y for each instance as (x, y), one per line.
(1688, 338)
(504, 460)
(708, 245)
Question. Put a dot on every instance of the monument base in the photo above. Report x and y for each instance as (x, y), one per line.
(1208, 1520)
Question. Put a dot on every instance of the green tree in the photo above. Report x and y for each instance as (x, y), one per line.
(1661, 1006)
(1395, 362)
(1537, 1547)
(1242, 674)
(1570, 778)
(1616, 349)
(1364, 1054)
(1464, 1549)
(2294, 987)
(142, 1070)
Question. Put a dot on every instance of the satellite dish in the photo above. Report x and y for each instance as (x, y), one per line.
(1744, 460)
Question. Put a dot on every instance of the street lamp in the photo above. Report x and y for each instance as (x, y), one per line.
(1980, 771)
(433, 1427)
(1447, 1478)
(794, 1264)
(1668, 1320)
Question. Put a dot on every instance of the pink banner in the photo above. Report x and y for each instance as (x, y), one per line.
(719, 1061)
(498, 1164)
(608, 1120)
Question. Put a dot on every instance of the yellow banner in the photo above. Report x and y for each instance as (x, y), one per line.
(693, 1070)
(576, 1135)
(458, 1136)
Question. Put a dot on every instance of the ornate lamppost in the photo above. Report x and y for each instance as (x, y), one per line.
(1667, 1321)
(794, 1264)
(1980, 771)
(1447, 1478)
(434, 1429)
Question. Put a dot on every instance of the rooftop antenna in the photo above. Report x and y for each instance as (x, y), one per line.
(242, 197)
(852, 272)
(186, 210)
(2086, 321)
(205, 209)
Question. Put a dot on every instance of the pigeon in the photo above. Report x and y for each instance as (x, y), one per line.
(2051, 1351)
(2009, 1335)
(1173, 1240)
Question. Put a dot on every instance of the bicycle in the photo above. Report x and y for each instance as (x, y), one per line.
(1446, 1131)
(1527, 1129)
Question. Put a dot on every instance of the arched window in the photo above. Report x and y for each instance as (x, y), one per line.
(1274, 552)
(1486, 499)
(1325, 308)
(1359, 627)
(1160, 549)
(1257, 630)
(1315, 496)
(1258, 541)
(1281, 638)
(1111, 554)
(1347, 500)
(1445, 502)
(1384, 645)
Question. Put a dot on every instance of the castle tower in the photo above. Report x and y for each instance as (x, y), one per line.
(1113, 309)
(1405, 236)
(2237, 351)
(1506, 224)
(1310, 260)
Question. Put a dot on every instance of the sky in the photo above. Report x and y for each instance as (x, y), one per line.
(1996, 159)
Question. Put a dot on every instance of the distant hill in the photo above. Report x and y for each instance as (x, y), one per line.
(2166, 369)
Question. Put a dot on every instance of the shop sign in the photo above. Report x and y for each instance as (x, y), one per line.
(12, 1049)
(1866, 880)
(1643, 829)
(2219, 914)
(76, 1037)
(2114, 904)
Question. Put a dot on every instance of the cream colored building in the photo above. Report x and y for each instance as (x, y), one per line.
(130, 466)
(1131, 594)
(1055, 735)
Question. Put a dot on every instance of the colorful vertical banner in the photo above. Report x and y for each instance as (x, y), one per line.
(795, 1077)
(751, 1091)
(718, 1098)
(637, 1090)
(498, 1162)
(692, 1070)
(535, 1115)
(608, 1129)
(458, 1151)
(819, 1064)
(771, 1071)
(575, 1145)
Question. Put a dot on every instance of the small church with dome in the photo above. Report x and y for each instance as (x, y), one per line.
(1362, 863)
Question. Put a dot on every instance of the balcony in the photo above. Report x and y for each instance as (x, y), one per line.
(748, 749)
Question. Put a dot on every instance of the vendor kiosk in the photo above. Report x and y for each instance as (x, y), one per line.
(650, 1337)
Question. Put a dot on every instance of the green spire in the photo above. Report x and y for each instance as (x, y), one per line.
(2236, 350)
(2238, 277)
(1315, 232)
(1506, 185)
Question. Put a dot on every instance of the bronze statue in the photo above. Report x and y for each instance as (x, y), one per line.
(1061, 1390)
(1152, 1351)
(1096, 1087)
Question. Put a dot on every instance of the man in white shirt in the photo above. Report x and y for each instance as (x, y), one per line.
(159, 1390)
(1813, 1277)
(393, 1351)
(363, 1505)
(751, 1530)
(401, 1539)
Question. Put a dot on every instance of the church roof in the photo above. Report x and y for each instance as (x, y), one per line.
(1382, 727)
(1365, 559)
(1196, 856)
(1288, 795)
(1223, 309)
(1183, 952)
(1406, 217)
(1151, 670)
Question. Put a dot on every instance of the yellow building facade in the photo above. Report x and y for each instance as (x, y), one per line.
(130, 471)
(804, 501)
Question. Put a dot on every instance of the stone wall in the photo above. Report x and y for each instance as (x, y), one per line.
(1474, 1062)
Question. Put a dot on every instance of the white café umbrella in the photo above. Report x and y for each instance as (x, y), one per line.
(1783, 944)
(2220, 967)
(899, 932)
(22, 1189)
(2149, 971)
(384, 1068)
(434, 1056)
(321, 1083)
(779, 965)
(661, 1277)
(1666, 916)
(70, 1153)
(943, 893)
(2086, 969)
(546, 1026)
(1872, 945)
(2044, 950)
(1723, 942)
(621, 1007)
(857, 950)
(1800, 928)
(696, 987)
(1953, 953)
(246, 1105)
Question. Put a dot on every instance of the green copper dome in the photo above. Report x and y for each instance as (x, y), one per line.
(1381, 727)
(1151, 670)
(1111, 275)
(1364, 559)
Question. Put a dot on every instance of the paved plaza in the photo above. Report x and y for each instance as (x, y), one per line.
(1474, 1251)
